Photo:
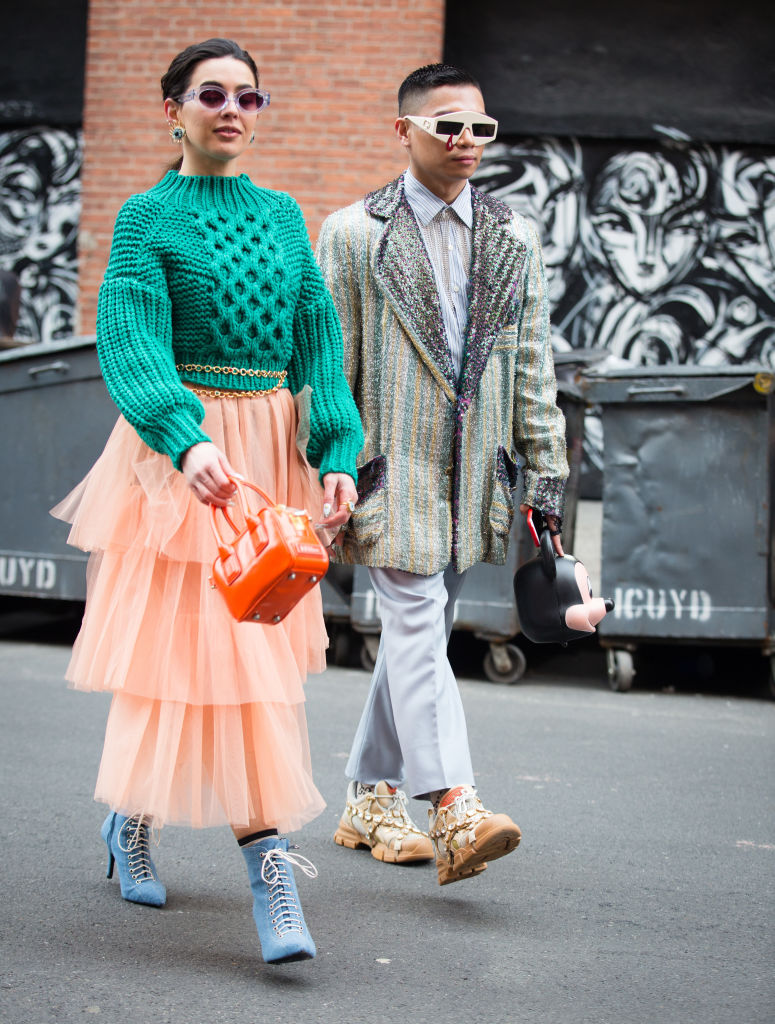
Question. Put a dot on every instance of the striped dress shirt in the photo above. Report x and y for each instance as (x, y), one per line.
(446, 232)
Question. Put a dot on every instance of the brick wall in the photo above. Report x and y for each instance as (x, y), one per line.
(332, 69)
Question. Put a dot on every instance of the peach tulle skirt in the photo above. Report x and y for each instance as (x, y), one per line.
(207, 722)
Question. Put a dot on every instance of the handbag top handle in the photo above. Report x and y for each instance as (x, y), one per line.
(252, 522)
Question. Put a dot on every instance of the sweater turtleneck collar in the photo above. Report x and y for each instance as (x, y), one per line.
(207, 191)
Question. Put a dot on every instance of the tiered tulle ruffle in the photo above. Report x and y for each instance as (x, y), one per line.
(207, 722)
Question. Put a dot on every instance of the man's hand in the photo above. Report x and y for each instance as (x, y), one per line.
(554, 528)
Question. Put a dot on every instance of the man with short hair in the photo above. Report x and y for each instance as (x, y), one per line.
(442, 298)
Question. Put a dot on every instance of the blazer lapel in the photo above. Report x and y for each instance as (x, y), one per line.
(403, 272)
(497, 259)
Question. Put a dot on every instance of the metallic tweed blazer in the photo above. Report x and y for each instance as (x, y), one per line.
(440, 461)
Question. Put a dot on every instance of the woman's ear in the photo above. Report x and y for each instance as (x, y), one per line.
(171, 110)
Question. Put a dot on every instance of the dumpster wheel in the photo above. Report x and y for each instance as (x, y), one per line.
(504, 663)
(369, 649)
(620, 668)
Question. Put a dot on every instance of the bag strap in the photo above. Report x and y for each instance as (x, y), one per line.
(544, 543)
(240, 482)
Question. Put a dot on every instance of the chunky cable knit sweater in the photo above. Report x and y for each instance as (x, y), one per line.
(209, 272)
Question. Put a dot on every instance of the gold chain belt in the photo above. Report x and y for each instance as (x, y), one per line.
(239, 371)
(217, 393)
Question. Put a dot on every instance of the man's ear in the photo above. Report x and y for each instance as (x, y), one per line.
(402, 131)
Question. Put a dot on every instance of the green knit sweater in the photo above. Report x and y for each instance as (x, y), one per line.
(210, 272)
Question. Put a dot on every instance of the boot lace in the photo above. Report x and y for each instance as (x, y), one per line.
(133, 840)
(284, 908)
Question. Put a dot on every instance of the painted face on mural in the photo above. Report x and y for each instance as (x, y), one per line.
(41, 191)
(40, 186)
(444, 171)
(543, 181)
(746, 227)
(645, 213)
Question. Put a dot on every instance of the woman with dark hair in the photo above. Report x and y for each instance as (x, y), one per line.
(212, 315)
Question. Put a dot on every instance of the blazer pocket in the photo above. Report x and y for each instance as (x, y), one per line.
(506, 479)
(368, 520)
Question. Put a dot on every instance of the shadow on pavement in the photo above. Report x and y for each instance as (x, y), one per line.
(664, 668)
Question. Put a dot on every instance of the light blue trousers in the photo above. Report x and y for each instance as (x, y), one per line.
(413, 728)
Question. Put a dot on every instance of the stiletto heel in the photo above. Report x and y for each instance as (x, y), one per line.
(282, 931)
(127, 842)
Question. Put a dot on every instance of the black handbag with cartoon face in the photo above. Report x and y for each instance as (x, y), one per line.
(554, 596)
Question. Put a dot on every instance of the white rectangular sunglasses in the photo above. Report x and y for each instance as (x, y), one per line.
(449, 127)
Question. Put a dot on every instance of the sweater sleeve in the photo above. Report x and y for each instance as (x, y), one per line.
(539, 424)
(336, 435)
(134, 339)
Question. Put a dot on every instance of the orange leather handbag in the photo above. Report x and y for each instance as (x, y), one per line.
(269, 564)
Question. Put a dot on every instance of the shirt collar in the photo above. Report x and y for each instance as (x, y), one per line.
(425, 204)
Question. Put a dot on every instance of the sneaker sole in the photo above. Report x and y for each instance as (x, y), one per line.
(472, 860)
(456, 872)
(346, 835)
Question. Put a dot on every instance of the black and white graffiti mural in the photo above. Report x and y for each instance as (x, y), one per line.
(654, 254)
(658, 254)
(40, 198)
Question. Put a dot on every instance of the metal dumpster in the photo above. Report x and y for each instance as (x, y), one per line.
(55, 417)
(486, 605)
(687, 538)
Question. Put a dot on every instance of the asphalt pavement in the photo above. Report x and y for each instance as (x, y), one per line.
(642, 890)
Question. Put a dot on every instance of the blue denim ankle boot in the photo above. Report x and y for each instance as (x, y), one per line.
(276, 909)
(127, 841)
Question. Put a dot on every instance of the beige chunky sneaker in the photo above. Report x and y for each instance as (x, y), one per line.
(465, 835)
(380, 821)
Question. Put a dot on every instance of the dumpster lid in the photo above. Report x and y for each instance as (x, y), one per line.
(675, 383)
(569, 363)
(38, 349)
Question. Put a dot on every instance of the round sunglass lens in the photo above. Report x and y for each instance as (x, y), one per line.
(250, 102)
(211, 98)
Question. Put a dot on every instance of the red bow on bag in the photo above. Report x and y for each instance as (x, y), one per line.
(270, 564)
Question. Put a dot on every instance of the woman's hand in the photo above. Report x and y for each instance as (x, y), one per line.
(554, 528)
(339, 500)
(206, 470)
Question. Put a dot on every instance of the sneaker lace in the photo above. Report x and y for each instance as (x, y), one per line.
(394, 814)
(133, 840)
(284, 908)
(464, 805)
(398, 809)
(465, 811)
